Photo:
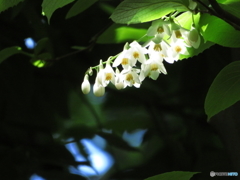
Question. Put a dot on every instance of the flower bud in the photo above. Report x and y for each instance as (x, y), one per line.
(119, 85)
(194, 38)
(85, 85)
(98, 90)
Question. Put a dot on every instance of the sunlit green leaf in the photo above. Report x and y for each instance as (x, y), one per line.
(121, 34)
(79, 6)
(174, 175)
(218, 31)
(7, 52)
(224, 91)
(139, 11)
(5, 4)
(186, 19)
(49, 6)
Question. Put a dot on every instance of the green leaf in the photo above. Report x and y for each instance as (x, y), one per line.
(121, 34)
(224, 91)
(5, 4)
(49, 6)
(106, 8)
(194, 52)
(139, 11)
(41, 45)
(7, 52)
(218, 31)
(231, 6)
(79, 6)
(79, 47)
(186, 19)
(174, 175)
(117, 141)
(133, 124)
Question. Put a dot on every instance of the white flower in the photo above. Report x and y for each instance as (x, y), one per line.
(152, 68)
(159, 29)
(125, 59)
(177, 48)
(137, 52)
(130, 78)
(193, 38)
(178, 32)
(158, 51)
(107, 75)
(129, 57)
(85, 85)
(119, 80)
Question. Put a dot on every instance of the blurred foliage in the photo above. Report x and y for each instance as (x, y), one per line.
(40, 108)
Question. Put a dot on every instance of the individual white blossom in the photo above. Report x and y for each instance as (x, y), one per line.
(178, 32)
(159, 29)
(125, 59)
(158, 51)
(131, 78)
(85, 85)
(152, 68)
(137, 52)
(177, 48)
(107, 75)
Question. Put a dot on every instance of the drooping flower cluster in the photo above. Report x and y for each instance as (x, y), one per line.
(136, 62)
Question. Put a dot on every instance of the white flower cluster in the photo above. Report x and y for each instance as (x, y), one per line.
(169, 40)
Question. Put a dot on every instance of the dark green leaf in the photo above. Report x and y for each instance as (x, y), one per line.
(218, 31)
(139, 11)
(133, 124)
(41, 45)
(174, 175)
(106, 8)
(49, 6)
(5, 4)
(7, 52)
(79, 47)
(79, 6)
(80, 132)
(116, 141)
(231, 6)
(58, 175)
(44, 56)
(224, 91)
